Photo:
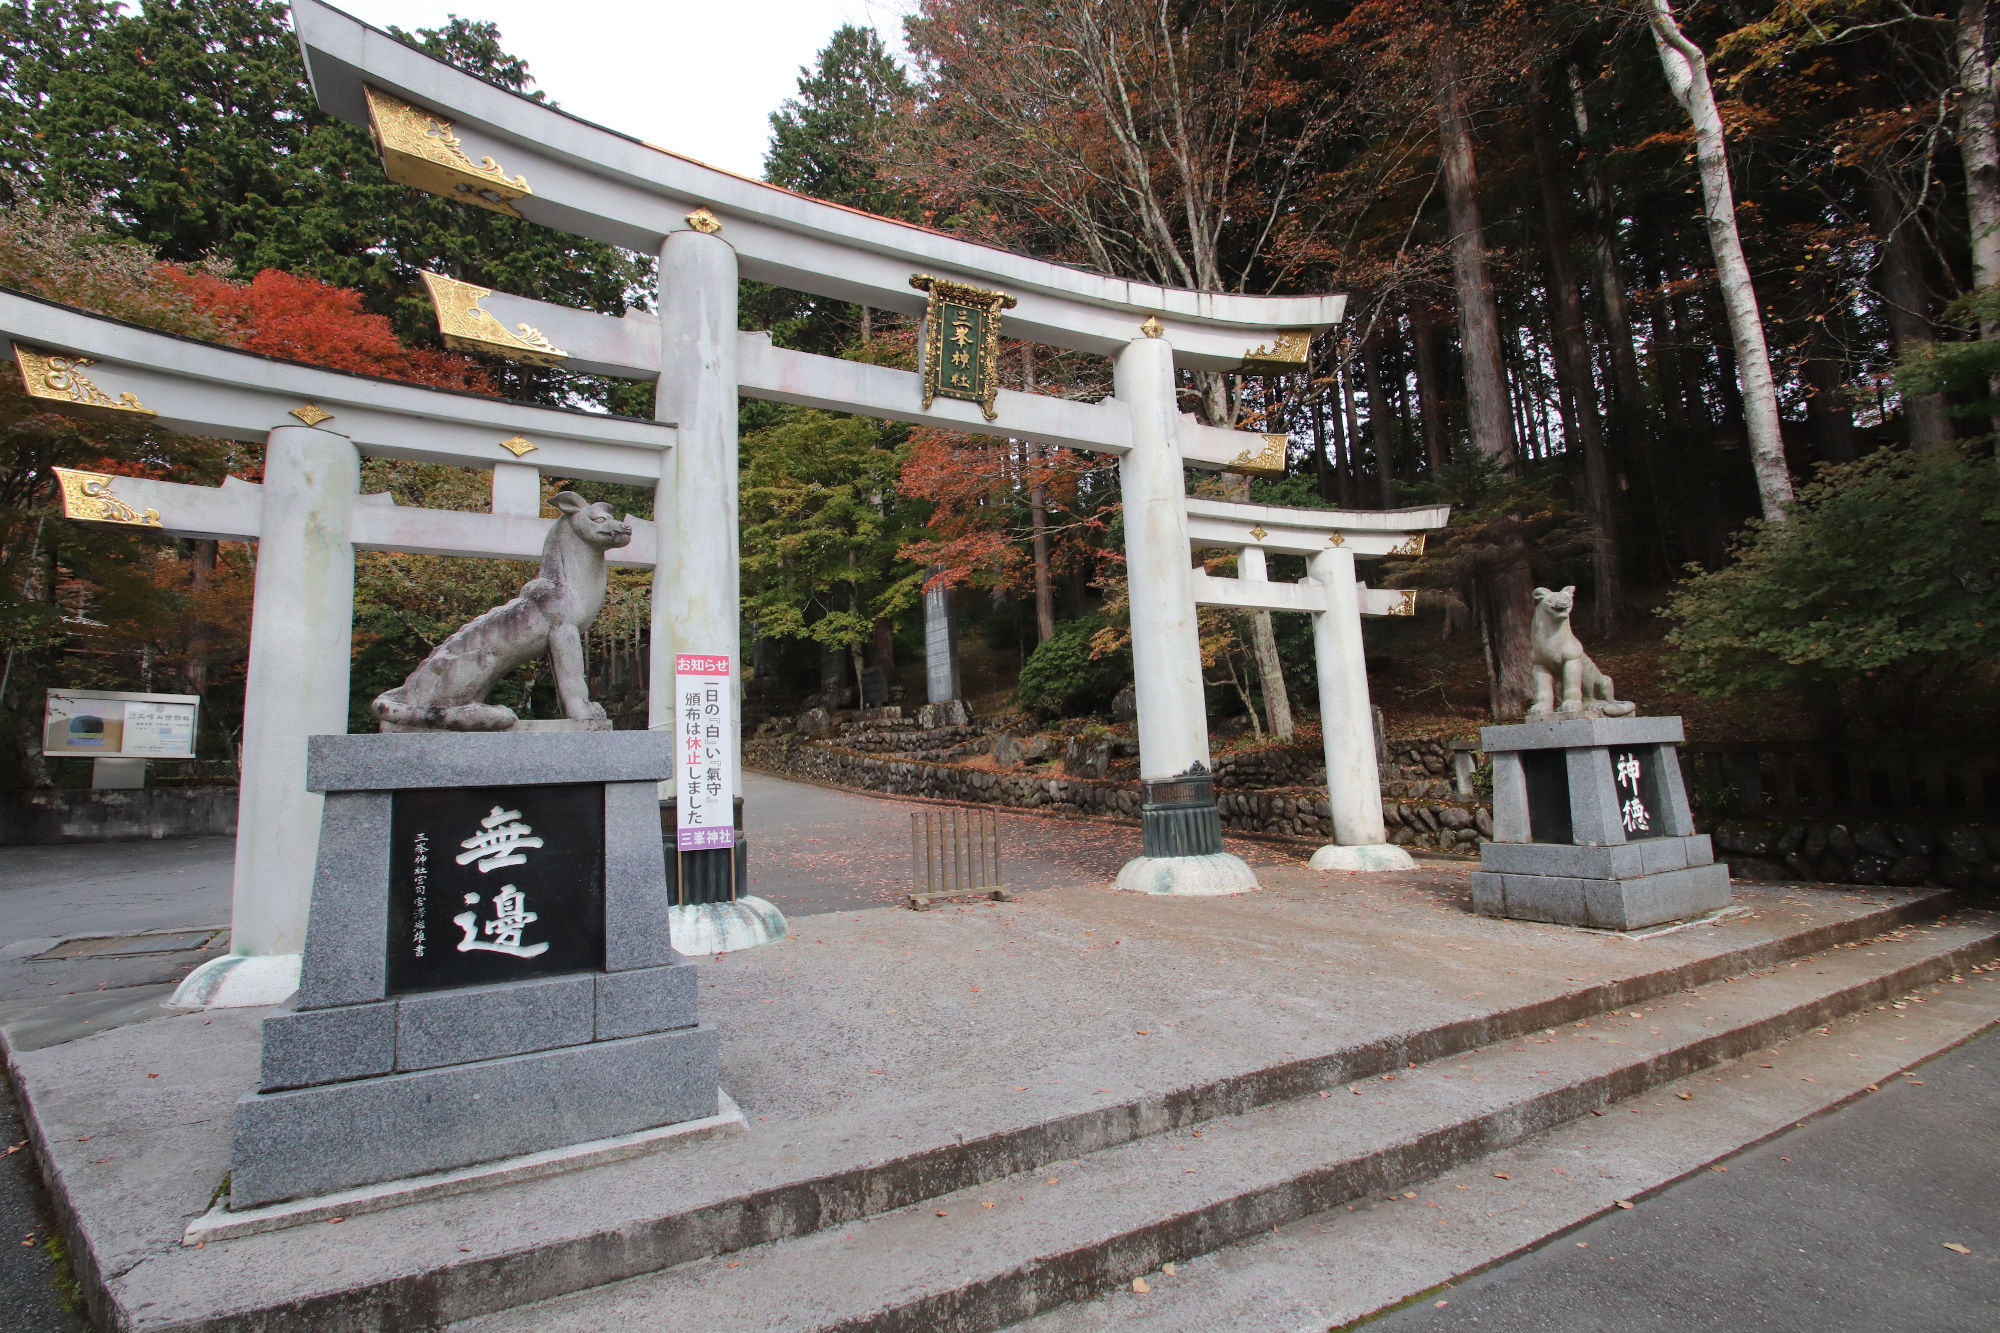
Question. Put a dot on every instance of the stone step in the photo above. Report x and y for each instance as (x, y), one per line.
(1337, 1268)
(1007, 1249)
(428, 1264)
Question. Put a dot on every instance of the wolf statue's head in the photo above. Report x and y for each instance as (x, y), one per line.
(1557, 605)
(595, 523)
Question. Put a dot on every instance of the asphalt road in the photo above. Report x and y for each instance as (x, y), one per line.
(1840, 1225)
(28, 1301)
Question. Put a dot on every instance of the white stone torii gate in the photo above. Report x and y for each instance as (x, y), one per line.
(308, 519)
(442, 130)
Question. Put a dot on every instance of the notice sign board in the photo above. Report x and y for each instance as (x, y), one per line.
(494, 884)
(115, 724)
(704, 760)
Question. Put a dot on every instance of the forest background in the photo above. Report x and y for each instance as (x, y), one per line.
(1531, 207)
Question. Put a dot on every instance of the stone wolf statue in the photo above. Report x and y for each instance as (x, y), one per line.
(1560, 663)
(448, 692)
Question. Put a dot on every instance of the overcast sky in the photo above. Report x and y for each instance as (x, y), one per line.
(699, 78)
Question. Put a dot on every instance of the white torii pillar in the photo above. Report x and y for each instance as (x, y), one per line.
(301, 642)
(695, 605)
(1182, 850)
(1347, 726)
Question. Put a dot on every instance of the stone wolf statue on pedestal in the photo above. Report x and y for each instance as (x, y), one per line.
(448, 692)
(1560, 663)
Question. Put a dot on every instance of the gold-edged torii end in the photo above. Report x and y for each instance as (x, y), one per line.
(419, 150)
(468, 327)
(1267, 461)
(57, 378)
(1286, 354)
(87, 497)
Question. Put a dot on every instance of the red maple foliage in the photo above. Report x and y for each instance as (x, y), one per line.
(303, 319)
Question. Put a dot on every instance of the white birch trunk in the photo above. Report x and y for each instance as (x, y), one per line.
(1686, 69)
(1979, 146)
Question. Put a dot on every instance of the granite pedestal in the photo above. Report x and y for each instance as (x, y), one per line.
(1591, 827)
(464, 1006)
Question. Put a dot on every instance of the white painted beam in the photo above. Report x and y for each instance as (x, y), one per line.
(594, 182)
(1257, 594)
(233, 511)
(785, 376)
(1362, 532)
(201, 389)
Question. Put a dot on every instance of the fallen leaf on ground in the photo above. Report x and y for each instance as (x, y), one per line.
(1502, 1175)
(1718, 1168)
(1140, 1284)
(942, 1213)
(1956, 1248)
(1685, 1096)
(1055, 1180)
(1583, 1245)
(1624, 1203)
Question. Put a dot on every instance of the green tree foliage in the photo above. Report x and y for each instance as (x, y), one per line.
(825, 142)
(192, 126)
(1884, 585)
(1068, 674)
(821, 525)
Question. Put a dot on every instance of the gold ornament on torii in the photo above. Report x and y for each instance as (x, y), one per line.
(419, 150)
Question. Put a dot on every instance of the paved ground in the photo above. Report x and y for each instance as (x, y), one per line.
(1842, 1224)
(813, 850)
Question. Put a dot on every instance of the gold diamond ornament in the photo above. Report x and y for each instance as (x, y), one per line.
(311, 413)
(704, 222)
(520, 446)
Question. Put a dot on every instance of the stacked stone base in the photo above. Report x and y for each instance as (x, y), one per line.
(1625, 886)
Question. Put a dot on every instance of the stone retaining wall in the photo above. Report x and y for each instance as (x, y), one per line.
(63, 814)
(1298, 812)
(1953, 855)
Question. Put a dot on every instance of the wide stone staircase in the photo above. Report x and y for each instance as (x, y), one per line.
(1277, 1177)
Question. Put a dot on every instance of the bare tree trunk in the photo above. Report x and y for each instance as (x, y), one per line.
(1573, 368)
(1617, 304)
(1829, 413)
(1351, 444)
(1038, 505)
(1324, 477)
(1686, 69)
(1510, 614)
(1430, 401)
(1264, 647)
(1486, 406)
(1378, 423)
(1979, 146)
(1907, 303)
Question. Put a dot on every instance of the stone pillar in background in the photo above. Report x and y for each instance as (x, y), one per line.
(695, 584)
(301, 642)
(1347, 726)
(940, 644)
(1183, 830)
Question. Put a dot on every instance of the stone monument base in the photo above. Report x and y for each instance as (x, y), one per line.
(1621, 887)
(300, 1142)
(1591, 827)
(420, 1041)
(1374, 856)
(1188, 876)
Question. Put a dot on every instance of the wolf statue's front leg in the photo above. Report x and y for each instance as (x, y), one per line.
(1573, 684)
(566, 656)
(1545, 690)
